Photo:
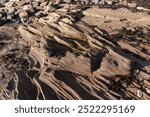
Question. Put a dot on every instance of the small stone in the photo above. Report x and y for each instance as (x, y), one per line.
(24, 20)
(148, 90)
(132, 5)
(10, 4)
(39, 14)
(139, 93)
(35, 4)
(27, 7)
(23, 14)
(46, 9)
(16, 20)
(43, 4)
(9, 17)
(11, 10)
(67, 20)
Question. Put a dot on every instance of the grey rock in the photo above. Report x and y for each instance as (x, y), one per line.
(16, 20)
(9, 17)
(35, 4)
(27, 7)
(139, 93)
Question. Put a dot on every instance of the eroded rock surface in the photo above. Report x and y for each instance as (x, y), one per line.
(67, 55)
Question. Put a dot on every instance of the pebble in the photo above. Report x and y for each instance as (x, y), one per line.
(148, 90)
(10, 4)
(43, 4)
(27, 7)
(67, 20)
(23, 14)
(24, 20)
(9, 16)
(46, 9)
(35, 4)
(39, 14)
(139, 93)
(132, 5)
(11, 10)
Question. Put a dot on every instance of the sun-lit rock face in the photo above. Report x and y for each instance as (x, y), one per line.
(74, 51)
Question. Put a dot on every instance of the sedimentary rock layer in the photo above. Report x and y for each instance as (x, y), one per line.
(63, 56)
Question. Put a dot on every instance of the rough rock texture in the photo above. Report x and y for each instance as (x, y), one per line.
(28, 11)
(75, 53)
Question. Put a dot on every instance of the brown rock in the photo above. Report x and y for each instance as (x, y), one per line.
(23, 14)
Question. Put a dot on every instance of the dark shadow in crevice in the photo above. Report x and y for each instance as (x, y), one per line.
(70, 80)
(48, 91)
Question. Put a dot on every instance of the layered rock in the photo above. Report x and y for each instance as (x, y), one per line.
(67, 58)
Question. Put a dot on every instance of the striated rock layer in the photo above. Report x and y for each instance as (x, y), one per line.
(67, 57)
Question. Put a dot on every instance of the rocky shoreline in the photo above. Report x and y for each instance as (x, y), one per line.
(64, 50)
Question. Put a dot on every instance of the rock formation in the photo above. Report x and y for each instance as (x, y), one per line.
(58, 53)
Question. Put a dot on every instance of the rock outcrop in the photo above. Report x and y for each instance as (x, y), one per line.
(64, 57)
